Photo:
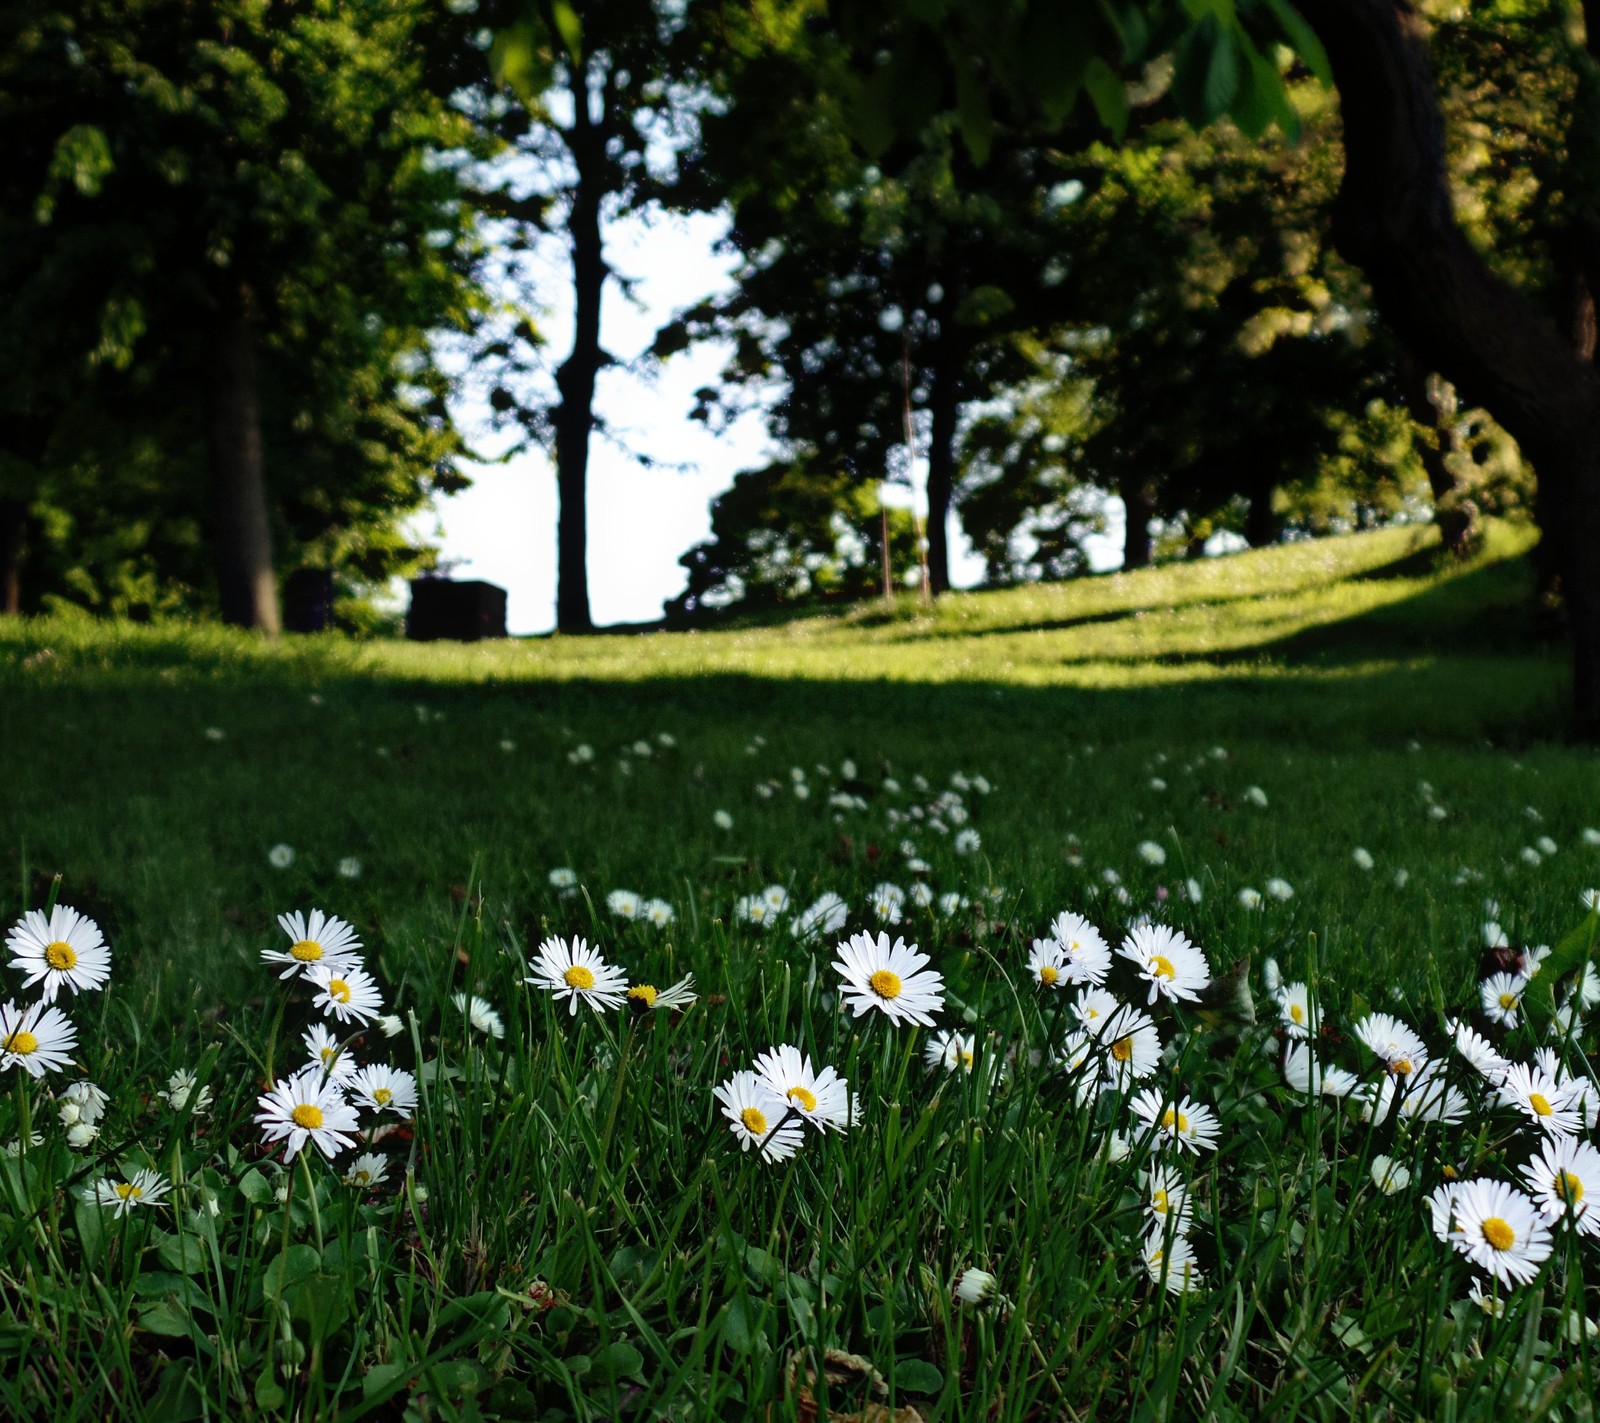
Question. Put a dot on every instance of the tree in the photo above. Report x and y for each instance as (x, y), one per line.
(226, 236)
(1393, 218)
(601, 82)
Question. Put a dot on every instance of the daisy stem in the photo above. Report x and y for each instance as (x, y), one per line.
(311, 1193)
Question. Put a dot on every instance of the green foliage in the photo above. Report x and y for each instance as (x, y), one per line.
(173, 163)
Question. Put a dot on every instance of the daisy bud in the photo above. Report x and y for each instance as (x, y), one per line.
(975, 1286)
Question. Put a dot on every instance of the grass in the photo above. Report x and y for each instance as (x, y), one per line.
(570, 1231)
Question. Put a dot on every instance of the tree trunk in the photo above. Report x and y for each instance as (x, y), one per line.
(13, 540)
(1393, 219)
(1431, 402)
(944, 404)
(574, 416)
(1140, 509)
(1261, 521)
(242, 541)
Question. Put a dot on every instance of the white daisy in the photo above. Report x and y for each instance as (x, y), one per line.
(1185, 1123)
(975, 1286)
(643, 997)
(887, 902)
(1547, 1102)
(1173, 967)
(480, 1014)
(1249, 898)
(327, 1052)
(1047, 964)
(776, 897)
(1388, 1175)
(825, 915)
(384, 1088)
(759, 1118)
(967, 842)
(1304, 1073)
(1441, 1205)
(1499, 1229)
(1151, 853)
(1580, 1088)
(1565, 1180)
(142, 1188)
(82, 1101)
(349, 994)
(894, 979)
(1479, 1052)
(577, 973)
(1401, 1049)
(1501, 994)
(1294, 1008)
(63, 950)
(752, 909)
(304, 1108)
(624, 903)
(366, 1171)
(949, 1050)
(1167, 1200)
(658, 913)
(1092, 1006)
(1425, 1096)
(1131, 1047)
(1169, 1260)
(1280, 889)
(315, 939)
(38, 1038)
(1081, 1060)
(563, 877)
(1088, 954)
(183, 1090)
(822, 1098)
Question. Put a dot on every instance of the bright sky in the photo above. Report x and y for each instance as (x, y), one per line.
(641, 520)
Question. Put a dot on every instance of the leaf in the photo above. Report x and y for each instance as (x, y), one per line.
(319, 1302)
(918, 1376)
(619, 1359)
(288, 1269)
(569, 27)
(869, 114)
(1303, 40)
(182, 1253)
(972, 111)
(1570, 954)
(167, 1317)
(1109, 96)
(1206, 76)
(269, 1392)
(1055, 50)
(91, 1232)
(255, 1188)
(383, 1379)
(1262, 99)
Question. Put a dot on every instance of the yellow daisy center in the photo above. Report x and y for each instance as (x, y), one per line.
(1569, 1187)
(1122, 1049)
(339, 990)
(60, 955)
(382, 1096)
(1499, 1233)
(644, 993)
(1048, 974)
(1297, 1013)
(578, 977)
(307, 1116)
(885, 984)
(1175, 1118)
(754, 1122)
(1508, 1000)
(804, 1098)
(1158, 1202)
(1401, 1067)
(128, 1191)
(21, 1042)
(1161, 966)
(1540, 1104)
(306, 950)
(361, 1177)
(965, 1060)
(328, 1054)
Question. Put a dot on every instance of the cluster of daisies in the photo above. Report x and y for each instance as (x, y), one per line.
(322, 1100)
(574, 973)
(60, 950)
(1549, 1103)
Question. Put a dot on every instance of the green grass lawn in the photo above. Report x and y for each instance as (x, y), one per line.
(570, 1230)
